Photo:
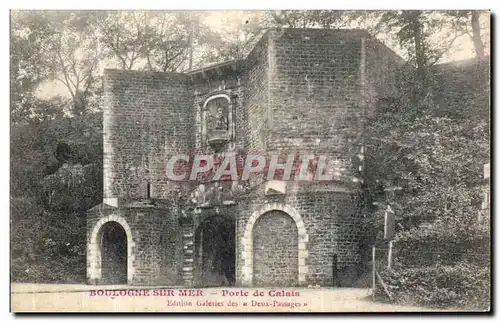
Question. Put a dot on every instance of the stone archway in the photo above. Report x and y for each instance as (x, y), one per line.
(275, 250)
(113, 253)
(94, 256)
(247, 242)
(214, 256)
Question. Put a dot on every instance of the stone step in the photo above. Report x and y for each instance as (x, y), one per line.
(188, 251)
(189, 243)
(188, 246)
(188, 260)
(188, 235)
(187, 269)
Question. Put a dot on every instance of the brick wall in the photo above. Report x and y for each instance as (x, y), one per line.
(146, 118)
(332, 221)
(380, 73)
(209, 83)
(154, 253)
(315, 97)
(257, 97)
(275, 247)
(315, 104)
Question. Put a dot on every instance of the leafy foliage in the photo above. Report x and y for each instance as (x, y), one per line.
(49, 197)
(460, 285)
(437, 161)
(40, 251)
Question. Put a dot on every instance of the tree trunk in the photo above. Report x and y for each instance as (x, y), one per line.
(476, 35)
(191, 44)
(416, 27)
(417, 38)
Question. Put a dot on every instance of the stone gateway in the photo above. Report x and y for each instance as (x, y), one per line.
(300, 91)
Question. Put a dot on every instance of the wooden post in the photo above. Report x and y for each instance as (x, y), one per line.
(374, 273)
(389, 256)
(384, 286)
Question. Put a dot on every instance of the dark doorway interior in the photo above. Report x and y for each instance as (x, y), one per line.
(215, 252)
(113, 254)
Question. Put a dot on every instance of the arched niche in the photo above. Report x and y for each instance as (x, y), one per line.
(217, 122)
(94, 249)
(246, 243)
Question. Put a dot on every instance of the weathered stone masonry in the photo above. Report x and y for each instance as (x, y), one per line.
(299, 90)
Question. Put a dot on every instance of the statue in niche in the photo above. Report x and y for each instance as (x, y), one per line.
(218, 109)
(221, 123)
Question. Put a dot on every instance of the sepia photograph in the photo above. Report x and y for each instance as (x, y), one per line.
(250, 161)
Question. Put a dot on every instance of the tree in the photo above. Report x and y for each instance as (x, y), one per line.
(150, 40)
(236, 39)
(467, 21)
(476, 35)
(437, 162)
(125, 35)
(175, 39)
(326, 19)
(416, 31)
(66, 50)
(28, 69)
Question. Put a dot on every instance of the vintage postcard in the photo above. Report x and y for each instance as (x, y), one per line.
(250, 161)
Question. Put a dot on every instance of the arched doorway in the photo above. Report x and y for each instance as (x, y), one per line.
(113, 245)
(275, 250)
(215, 252)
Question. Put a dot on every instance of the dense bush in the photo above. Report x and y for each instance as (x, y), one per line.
(49, 197)
(435, 159)
(461, 285)
(46, 246)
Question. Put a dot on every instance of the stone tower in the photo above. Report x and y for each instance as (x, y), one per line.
(300, 91)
